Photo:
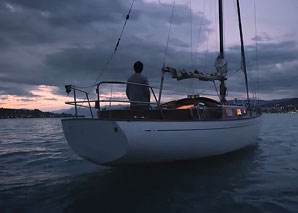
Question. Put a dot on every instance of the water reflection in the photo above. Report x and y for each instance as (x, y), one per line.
(193, 184)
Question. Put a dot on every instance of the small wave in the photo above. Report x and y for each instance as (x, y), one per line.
(17, 153)
(44, 161)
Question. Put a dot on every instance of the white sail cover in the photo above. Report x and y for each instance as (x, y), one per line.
(220, 73)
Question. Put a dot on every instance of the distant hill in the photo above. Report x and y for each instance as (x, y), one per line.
(84, 112)
(275, 106)
(285, 101)
(26, 113)
(281, 102)
(288, 105)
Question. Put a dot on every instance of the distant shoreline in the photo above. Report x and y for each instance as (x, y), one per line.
(285, 106)
(6, 113)
(38, 118)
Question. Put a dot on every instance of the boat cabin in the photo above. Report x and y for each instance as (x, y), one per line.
(187, 109)
(192, 108)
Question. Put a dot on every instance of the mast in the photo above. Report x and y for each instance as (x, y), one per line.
(243, 53)
(223, 88)
(221, 52)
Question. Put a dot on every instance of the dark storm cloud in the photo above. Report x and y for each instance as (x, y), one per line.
(23, 27)
(16, 89)
(163, 12)
(277, 71)
(270, 53)
(274, 53)
(3, 43)
(38, 22)
(63, 52)
(67, 12)
(68, 42)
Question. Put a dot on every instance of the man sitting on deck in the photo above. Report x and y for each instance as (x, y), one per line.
(137, 92)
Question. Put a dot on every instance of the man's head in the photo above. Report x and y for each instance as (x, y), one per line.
(138, 67)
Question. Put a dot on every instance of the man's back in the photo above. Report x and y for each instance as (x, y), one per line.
(138, 93)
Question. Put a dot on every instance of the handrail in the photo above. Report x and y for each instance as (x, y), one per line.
(97, 102)
(68, 90)
(107, 101)
(124, 82)
(131, 83)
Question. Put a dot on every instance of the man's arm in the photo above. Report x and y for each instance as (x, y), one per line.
(147, 91)
(127, 90)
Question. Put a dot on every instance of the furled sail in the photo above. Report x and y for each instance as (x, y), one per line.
(219, 74)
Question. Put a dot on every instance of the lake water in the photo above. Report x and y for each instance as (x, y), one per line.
(40, 173)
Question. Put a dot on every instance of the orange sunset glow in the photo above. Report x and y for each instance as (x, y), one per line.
(45, 100)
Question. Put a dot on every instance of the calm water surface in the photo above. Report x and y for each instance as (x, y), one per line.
(39, 172)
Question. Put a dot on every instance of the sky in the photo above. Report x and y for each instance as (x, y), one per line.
(48, 44)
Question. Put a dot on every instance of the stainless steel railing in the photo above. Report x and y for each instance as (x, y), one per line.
(97, 102)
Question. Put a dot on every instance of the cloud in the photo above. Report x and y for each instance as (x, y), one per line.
(58, 42)
(25, 100)
(277, 71)
(50, 99)
(263, 37)
(76, 12)
(3, 98)
(16, 89)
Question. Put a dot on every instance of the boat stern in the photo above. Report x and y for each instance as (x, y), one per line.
(98, 141)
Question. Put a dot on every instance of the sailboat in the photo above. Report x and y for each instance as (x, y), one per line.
(190, 128)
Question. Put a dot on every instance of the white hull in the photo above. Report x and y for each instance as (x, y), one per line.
(132, 142)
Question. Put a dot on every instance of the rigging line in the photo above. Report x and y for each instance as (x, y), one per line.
(190, 20)
(200, 30)
(184, 91)
(111, 95)
(224, 27)
(234, 3)
(234, 72)
(216, 24)
(208, 88)
(117, 44)
(191, 50)
(257, 54)
(176, 90)
(167, 44)
(249, 69)
(114, 52)
(247, 57)
(243, 60)
(216, 90)
(207, 48)
(126, 19)
(229, 75)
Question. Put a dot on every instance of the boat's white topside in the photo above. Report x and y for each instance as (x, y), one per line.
(130, 142)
